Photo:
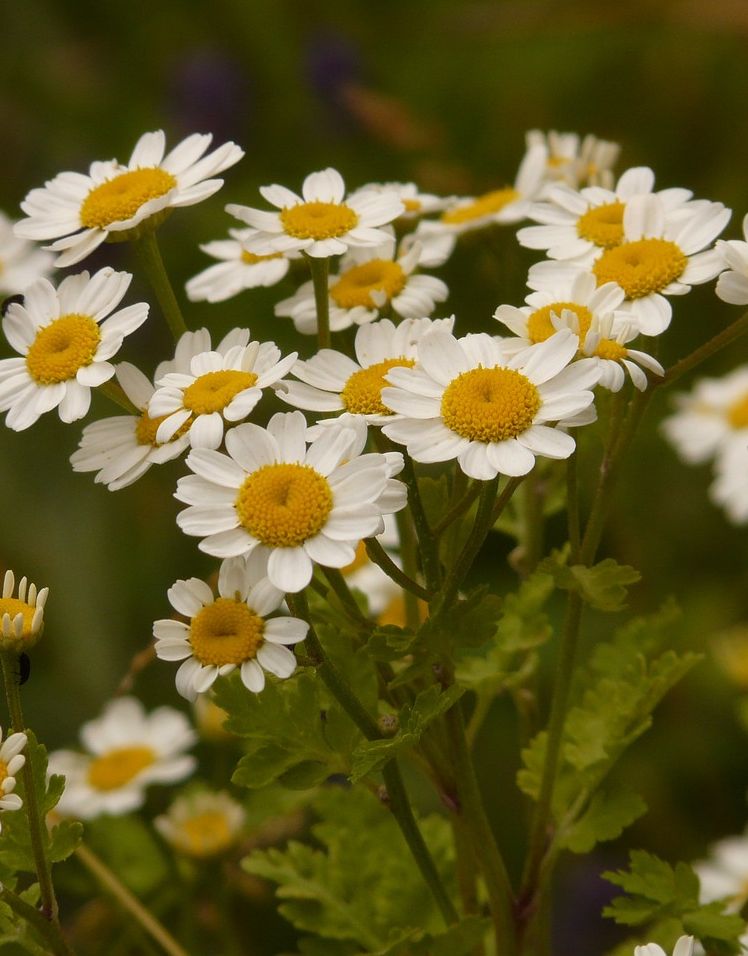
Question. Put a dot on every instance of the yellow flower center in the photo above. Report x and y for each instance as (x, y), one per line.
(61, 348)
(213, 391)
(118, 767)
(250, 259)
(226, 632)
(360, 561)
(411, 205)
(13, 607)
(737, 414)
(485, 205)
(3, 772)
(318, 220)
(490, 404)
(642, 267)
(283, 505)
(146, 428)
(362, 394)
(120, 198)
(540, 327)
(602, 225)
(206, 834)
(611, 350)
(356, 285)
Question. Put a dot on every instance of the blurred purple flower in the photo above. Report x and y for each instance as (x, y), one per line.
(212, 93)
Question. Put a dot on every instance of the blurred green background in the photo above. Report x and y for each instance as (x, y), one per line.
(439, 92)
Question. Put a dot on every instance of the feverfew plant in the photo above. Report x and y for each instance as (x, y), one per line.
(344, 654)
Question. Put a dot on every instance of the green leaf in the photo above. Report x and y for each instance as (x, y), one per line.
(129, 848)
(63, 839)
(718, 931)
(15, 847)
(602, 586)
(371, 755)
(606, 817)
(326, 890)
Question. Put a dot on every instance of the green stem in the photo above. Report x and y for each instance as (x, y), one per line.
(427, 542)
(37, 826)
(532, 525)
(130, 903)
(505, 496)
(114, 391)
(149, 255)
(721, 340)
(343, 593)
(379, 556)
(50, 931)
(320, 269)
(398, 800)
(460, 508)
(572, 506)
(409, 555)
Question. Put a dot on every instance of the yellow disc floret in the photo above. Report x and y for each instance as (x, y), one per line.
(118, 767)
(119, 199)
(737, 414)
(250, 259)
(226, 632)
(490, 404)
(362, 394)
(602, 225)
(13, 607)
(355, 286)
(611, 350)
(486, 205)
(641, 267)
(213, 391)
(540, 327)
(3, 773)
(205, 834)
(61, 348)
(318, 220)
(146, 428)
(285, 504)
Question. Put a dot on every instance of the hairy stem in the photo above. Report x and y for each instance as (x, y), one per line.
(379, 556)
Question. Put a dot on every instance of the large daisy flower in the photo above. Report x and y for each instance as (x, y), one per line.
(202, 824)
(297, 504)
(229, 631)
(581, 225)
(126, 751)
(221, 386)
(321, 222)
(237, 270)
(65, 340)
(467, 399)
(21, 263)
(11, 761)
(21, 613)
(115, 199)
(662, 254)
(364, 286)
(732, 285)
(330, 381)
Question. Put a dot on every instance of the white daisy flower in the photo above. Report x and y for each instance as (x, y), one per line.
(126, 751)
(229, 631)
(115, 199)
(11, 762)
(238, 269)
(581, 225)
(222, 386)
(321, 222)
(683, 947)
(364, 286)
(122, 448)
(605, 346)
(21, 616)
(711, 418)
(468, 399)
(65, 340)
(732, 285)
(724, 875)
(415, 202)
(729, 489)
(330, 381)
(296, 504)
(660, 255)
(575, 162)
(21, 264)
(202, 824)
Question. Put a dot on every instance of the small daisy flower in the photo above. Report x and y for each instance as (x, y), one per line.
(127, 750)
(605, 346)
(321, 222)
(22, 617)
(229, 631)
(366, 285)
(574, 162)
(65, 341)
(581, 225)
(732, 285)
(202, 824)
(468, 399)
(660, 255)
(415, 202)
(221, 387)
(21, 264)
(238, 269)
(330, 381)
(297, 505)
(724, 875)
(11, 761)
(115, 201)
(683, 947)
(712, 417)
